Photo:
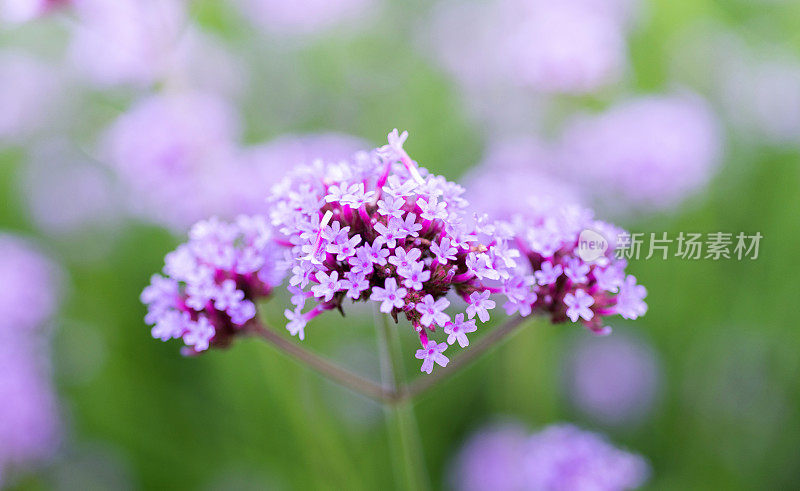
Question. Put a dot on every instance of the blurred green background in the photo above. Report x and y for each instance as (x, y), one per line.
(140, 416)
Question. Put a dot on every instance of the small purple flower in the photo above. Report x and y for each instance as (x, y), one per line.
(169, 151)
(609, 278)
(227, 295)
(444, 251)
(405, 260)
(377, 253)
(336, 193)
(355, 283)
(242, 312)
(480, 304)
(431, 208)
(28, 285)
(576, 270)
(170, 325)
(344, 248)
(391, 206)
(630, 301)
(400, 188)
(433, 311)
(329, 284)
(578, 305)
(301, 274)
(415, 276)
(356, 196)
(362, 261)
(548, 274)
(430, 354)
(458, 330)
(298, 296)
(481, 265)
(334, 233)
(410, 225)
(392, 231)
(419, 242)
(297, 322)
(198, 334)
(390, 295)
(29, 415)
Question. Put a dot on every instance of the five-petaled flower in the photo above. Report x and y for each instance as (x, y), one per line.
(432, 353)
(578, 305)
(390, 296)
(433, 311)
(479, 304)
(458, 329)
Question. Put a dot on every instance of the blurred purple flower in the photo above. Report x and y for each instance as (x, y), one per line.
(55, 175)
(563, 457)
(650, 152)
(29, 422)
(29, 95)
(169, 151)
(20, 11)
(756, 87)
(491, 459)
(519, 167)
(28, 287)
(307, 17)
(761, 97)
(573, 46)
(29, 419)
(559, 457)
(613, 380)
(202, 62)
(126, 41)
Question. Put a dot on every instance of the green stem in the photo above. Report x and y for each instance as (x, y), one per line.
(323, 366)
(407, 457)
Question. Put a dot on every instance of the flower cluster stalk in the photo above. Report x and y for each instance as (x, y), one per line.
(407, 455)
(394, 393)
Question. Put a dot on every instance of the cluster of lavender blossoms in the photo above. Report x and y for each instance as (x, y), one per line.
(212, 283)
(380, 228)
(554, 279)
(552, 276)
(559, 457)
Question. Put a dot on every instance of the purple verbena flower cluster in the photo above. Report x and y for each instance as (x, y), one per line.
(211, 283)
(560, 457)
(379, 228)
(556, 281)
